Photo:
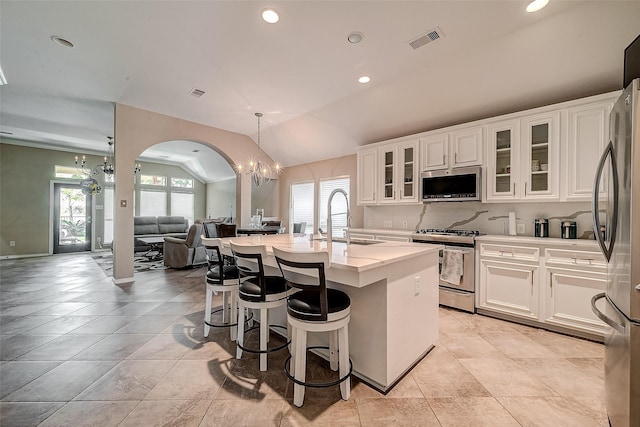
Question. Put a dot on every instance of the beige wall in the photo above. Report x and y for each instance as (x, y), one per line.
(221, 199)
(340, 166)
(135, 131)
(266, 196)
(25, 196)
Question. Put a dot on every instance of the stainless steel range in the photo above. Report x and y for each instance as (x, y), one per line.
(457, 265)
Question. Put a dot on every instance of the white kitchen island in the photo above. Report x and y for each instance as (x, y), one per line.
(394, 300)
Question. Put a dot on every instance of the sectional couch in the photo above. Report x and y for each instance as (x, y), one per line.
(151, 226)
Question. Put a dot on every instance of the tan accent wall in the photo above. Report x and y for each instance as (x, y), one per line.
(315, 171)
(135, 131)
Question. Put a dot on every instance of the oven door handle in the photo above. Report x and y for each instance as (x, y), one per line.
(455, 291)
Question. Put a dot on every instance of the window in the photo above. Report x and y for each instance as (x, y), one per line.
(302, 200)
(181, 182)
(182, 205)
(338, 205)
(68, 172)
(153, 203)
(153, 180)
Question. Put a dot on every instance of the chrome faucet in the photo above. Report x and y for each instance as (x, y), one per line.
(329, 228)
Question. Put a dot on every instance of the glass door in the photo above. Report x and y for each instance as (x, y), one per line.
(408, 171)
(503, 164)
(71, 220)
(539, 177)
(388, 160)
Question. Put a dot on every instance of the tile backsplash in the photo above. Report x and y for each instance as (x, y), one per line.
(489, 218)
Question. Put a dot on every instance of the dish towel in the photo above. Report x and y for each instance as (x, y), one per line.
(452, 266)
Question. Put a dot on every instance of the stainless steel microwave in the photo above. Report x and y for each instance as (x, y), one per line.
(452, 185)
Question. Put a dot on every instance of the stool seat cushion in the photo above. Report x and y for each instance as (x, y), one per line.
(306, 304)
(275, 285)
(229, 272)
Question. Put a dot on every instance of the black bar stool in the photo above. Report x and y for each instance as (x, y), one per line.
(315, 308)
(257, 291)
(220, 278)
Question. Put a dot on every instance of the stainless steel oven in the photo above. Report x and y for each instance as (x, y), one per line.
(462, 294)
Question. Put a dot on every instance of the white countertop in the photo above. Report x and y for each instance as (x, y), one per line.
(545, 241)
(353, 257)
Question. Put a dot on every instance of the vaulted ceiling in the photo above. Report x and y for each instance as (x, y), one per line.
(302, 73)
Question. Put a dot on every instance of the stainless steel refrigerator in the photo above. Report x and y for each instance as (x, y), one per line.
(616, 214)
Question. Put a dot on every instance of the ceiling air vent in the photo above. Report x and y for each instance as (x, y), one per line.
(429, 37)
(196, 92)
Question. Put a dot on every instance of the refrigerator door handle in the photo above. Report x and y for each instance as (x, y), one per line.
(610, 153)
(615, 325)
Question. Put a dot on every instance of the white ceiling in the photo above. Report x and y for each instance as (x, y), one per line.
(301, 73)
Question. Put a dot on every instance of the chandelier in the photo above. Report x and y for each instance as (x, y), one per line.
(259, 171)
(90, 185)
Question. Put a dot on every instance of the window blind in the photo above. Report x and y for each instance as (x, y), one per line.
(302, 205)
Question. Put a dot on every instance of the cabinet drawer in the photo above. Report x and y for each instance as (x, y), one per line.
(509, 252)
(591, 260)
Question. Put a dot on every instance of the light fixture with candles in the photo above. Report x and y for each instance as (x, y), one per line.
(90, 185)
(259, 171)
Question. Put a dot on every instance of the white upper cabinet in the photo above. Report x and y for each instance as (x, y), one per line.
(408, 174)
(434, 150)
(587, 127)
(466, 147)
(503, 160)
(457, 148)
(541, 156)
(367, 176)
(398, 169)
(524, 158)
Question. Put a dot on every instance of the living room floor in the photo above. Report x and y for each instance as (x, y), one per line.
(78, 350)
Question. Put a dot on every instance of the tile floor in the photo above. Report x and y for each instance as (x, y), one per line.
(77, 350)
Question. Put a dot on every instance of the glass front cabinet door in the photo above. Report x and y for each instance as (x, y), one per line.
(503, 163)
(387, 156)
(540, 161)
(408, 171)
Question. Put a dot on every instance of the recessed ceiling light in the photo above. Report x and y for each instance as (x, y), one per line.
(364, 79)
(536, 5)
(270, 16)
(355, 37)
(62, 41)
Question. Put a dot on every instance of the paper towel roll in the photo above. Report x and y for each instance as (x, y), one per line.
(512, 224)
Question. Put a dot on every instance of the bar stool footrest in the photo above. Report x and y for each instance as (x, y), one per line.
(287, 364)
(269, 350)
(224, 325)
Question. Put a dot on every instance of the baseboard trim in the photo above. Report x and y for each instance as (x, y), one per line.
(23, 256)
(123, 280)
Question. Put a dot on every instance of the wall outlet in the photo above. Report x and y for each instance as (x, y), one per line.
(404, 224)
(388, 223)
(370, 223)
(520, 228)
(416, 285)
(12, 243)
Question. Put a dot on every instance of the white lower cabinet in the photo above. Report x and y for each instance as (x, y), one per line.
(548, 285)
(510, 288)
(568, 290)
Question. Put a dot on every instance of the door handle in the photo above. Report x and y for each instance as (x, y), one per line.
(615, 325)
(606, 251)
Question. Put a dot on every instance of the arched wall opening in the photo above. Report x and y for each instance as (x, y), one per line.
(135, 131)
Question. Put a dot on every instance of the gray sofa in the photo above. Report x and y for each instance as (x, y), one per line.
(155, 226)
